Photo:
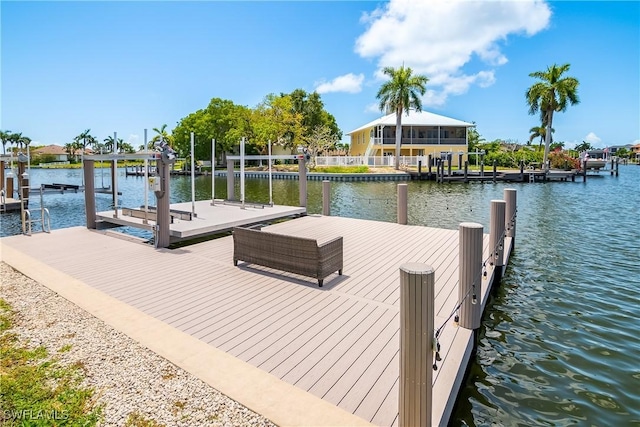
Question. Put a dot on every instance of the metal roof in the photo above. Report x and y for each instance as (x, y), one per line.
(415, 118)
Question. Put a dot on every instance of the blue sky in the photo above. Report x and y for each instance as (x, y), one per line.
(126, 66)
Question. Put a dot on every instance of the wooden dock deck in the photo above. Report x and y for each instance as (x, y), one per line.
(208, 219)
(339, 343)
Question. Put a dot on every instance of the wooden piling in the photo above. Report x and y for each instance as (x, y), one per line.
(617, 167)
(114, 185)
(449, 161)
(584, 171)
(510, 196)
(470, 274)
(10, 187)
(430, 162)
(466, 171)
(459, 161)
(2, 175)
(496, 237)
(89, 194)
(521, 171)
(326, 197)
(402, 203)
(416, 344)
(482, 170)
(302, 171)
(231, 186)
(495, 171)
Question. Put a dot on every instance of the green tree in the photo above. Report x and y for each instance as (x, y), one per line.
(321, 139)
(400, 94)
(15, 139)
(623, 153)
(85, 139)
(221, 120)
(539, 132)
(275, 120)
(314, 115)
(583, 146)
(5, 136)
(553, 93)
(109, 144)
(161, 133)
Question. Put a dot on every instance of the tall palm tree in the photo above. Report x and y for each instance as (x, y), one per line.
(4, 137)
(400, 94)
(14, 139)
(86, 139)
(552, 93)
(109, 143)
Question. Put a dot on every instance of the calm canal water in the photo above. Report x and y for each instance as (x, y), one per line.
(559, 343)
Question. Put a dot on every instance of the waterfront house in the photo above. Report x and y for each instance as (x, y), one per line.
(55, 153)
(423, 133)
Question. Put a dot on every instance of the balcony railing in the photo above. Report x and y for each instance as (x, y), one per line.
(422, 141)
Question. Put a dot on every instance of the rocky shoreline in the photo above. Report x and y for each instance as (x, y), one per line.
(127, 378)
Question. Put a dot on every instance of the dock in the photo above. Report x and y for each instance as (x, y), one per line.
(200, 219)
(274, 341)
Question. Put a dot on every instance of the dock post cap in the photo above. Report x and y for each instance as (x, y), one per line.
(471, 225)
(416, 268)
(498, 201)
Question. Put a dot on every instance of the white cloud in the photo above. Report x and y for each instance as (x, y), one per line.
(438, 38)
(593, 139)
(372, 108)
(350, 83)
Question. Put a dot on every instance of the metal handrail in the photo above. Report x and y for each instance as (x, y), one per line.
(46, 216)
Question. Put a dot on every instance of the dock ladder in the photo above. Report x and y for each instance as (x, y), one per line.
(3, 201)
(25, 214)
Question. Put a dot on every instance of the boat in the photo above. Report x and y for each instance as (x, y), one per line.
(596, 159)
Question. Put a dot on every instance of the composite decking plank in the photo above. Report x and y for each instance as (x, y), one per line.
(349, 356)
(333, 349)
(258, 329)
(385, 381)
(286, 343)
(292, 366)
(364, 357)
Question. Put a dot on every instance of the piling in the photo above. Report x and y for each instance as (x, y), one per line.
(402, 203)
(10, 186)
(416, 344)
(584, 171)
(495, 171)
(460, 161)
(470, 274)
(496, 237)
(1, 175)
(466, 171)
(449, 158)
(509, 195)
(114, 185)
(326, 197)
(163, 217)
(302, 171)
(430, 162)
(521, 171)
(89, 194)
(482, 170)
(230, 181)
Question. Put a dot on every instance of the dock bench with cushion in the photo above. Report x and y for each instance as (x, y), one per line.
(294, 254)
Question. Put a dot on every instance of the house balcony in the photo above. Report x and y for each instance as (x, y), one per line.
(421, 141)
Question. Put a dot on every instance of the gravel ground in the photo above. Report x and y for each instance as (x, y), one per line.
(127, 378)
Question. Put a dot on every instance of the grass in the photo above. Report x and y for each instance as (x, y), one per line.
(342, 169)
(36, 389)
(135, 419)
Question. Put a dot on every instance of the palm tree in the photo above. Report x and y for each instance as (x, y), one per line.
(86, 139)
(14, 139)
(4, 137)
(552, 93)
(539, 132)
(161, 133)
(109, 143)
(400, 94)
